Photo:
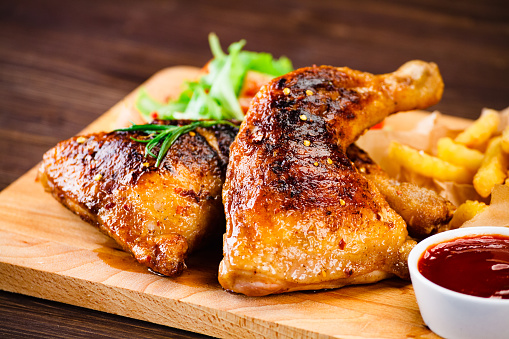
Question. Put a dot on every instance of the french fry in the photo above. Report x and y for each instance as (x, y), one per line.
(465, 212)
(477, 134)
(427, 165)
(505, 139)
(459, 154)
(493, 169)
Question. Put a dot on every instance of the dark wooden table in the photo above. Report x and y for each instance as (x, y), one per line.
(63, 64)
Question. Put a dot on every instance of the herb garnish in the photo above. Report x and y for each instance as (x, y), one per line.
(166, 135)
(213, 97)
(215, 94)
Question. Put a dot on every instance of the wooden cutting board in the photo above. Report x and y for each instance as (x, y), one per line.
(48, 252)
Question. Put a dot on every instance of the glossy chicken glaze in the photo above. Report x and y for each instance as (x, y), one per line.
(157, 214)
(299, 215)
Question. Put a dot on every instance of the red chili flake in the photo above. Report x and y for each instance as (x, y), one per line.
(179, 210)
(154, 115)
(109, 205)
(341, 244)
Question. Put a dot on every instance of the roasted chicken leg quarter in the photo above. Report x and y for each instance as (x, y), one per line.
(159, 214)
(299, 214)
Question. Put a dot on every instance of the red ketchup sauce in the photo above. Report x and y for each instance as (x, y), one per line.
(476, 265)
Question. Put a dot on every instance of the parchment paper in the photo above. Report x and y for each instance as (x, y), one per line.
(424, 136)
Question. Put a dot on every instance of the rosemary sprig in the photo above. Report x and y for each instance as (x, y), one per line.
(167, 135)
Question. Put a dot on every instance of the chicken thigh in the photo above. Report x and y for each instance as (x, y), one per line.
(299, 214)
(159, 214)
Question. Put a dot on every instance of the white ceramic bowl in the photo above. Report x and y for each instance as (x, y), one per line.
(452, 314)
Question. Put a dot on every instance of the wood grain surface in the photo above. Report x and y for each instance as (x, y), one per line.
(62, 64)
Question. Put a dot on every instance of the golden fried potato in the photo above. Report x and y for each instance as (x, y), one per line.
(427, 165)
(505, 139)
(477, 134)
(465, 212)
(459, 154)
(493, 169)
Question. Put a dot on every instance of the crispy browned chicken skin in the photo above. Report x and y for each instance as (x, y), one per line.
(157, 214)
(424, 211)
(299, 215)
